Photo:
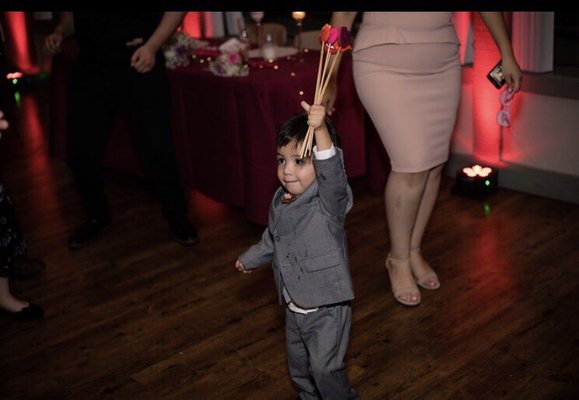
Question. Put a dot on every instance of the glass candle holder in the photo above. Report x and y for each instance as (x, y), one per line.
(257, 16)
(298, 16)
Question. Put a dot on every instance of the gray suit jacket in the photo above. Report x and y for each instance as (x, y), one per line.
(306, 240)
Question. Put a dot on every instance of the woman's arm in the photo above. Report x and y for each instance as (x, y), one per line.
(64, 29)
(339, 19)
(169, 23)
(143, 59)
(65, 25)
(511, 70)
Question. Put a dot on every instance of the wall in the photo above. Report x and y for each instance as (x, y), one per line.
(540, 151)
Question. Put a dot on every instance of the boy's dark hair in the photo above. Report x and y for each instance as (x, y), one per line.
(296, 128)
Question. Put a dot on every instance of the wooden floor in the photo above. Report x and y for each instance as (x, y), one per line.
(137, 316)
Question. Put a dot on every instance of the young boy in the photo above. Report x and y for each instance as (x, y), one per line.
(306, 241)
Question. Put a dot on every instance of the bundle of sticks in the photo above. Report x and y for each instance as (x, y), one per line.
(334, 41)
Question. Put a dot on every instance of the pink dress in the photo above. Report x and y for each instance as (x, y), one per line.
(407, 75)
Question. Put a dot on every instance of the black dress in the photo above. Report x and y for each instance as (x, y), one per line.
(11, 241)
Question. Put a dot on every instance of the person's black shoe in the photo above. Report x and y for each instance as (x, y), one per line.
(87, 232)
(184, 233)
(28, 313)
(27, 267)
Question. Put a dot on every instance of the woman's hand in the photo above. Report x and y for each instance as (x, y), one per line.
(52, 43)
(3, 122)
(143, 59)
(512, 73)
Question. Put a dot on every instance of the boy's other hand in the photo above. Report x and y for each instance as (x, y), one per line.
(241, 268)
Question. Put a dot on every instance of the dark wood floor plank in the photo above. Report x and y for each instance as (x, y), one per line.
(136, 315)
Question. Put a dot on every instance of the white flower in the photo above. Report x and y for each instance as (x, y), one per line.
(229, 64)
(179, 48)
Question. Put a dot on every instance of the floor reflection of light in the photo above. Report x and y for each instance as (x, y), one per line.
(487, 209)
(486, 279)
(207, 209)
(17, 99)
(35, 148)
(18, 28)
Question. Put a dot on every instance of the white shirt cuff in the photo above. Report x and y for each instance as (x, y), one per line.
(291, 305)
(324, 154)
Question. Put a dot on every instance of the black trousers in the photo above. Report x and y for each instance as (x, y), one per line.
(98, 93)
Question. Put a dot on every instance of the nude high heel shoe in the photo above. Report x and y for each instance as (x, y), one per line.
(407, 294)
(423, 273)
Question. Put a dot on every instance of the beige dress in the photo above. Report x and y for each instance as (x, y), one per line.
(407, 75)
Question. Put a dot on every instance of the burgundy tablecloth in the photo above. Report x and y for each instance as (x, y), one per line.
(225, 128)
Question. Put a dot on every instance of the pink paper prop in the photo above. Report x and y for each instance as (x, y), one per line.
(333, 36)
(334, 41)
(345, 39)
(325, 33)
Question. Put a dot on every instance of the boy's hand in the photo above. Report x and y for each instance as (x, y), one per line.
(316, 114)
(317, 120)
(241, 268)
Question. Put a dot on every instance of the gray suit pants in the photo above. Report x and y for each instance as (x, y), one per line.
(316, 345)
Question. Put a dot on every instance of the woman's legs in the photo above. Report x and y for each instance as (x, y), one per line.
(410, 199)
(18, 309)
(403, 195)
(424, 274)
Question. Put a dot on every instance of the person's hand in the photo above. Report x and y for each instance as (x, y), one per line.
(330, 96)
(3, 122)
(52, 43)
(512, 73)
(143, 59)
(316, 114)
(241, 268)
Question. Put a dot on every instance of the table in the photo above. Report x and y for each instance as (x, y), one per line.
(225, 128)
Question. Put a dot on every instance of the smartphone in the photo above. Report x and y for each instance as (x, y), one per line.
(495, 75)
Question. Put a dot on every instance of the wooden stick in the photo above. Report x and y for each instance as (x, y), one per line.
(306, 148)
(310, 131)
(310, 142)
(329, 74)
(319, 72)
(318, 91)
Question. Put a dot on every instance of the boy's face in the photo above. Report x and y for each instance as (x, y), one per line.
(295, 174)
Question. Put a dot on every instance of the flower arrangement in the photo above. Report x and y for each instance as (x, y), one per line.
(229, 64)
(334, 41)
(179, 48)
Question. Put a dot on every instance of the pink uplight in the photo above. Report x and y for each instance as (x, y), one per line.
(477, 170)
